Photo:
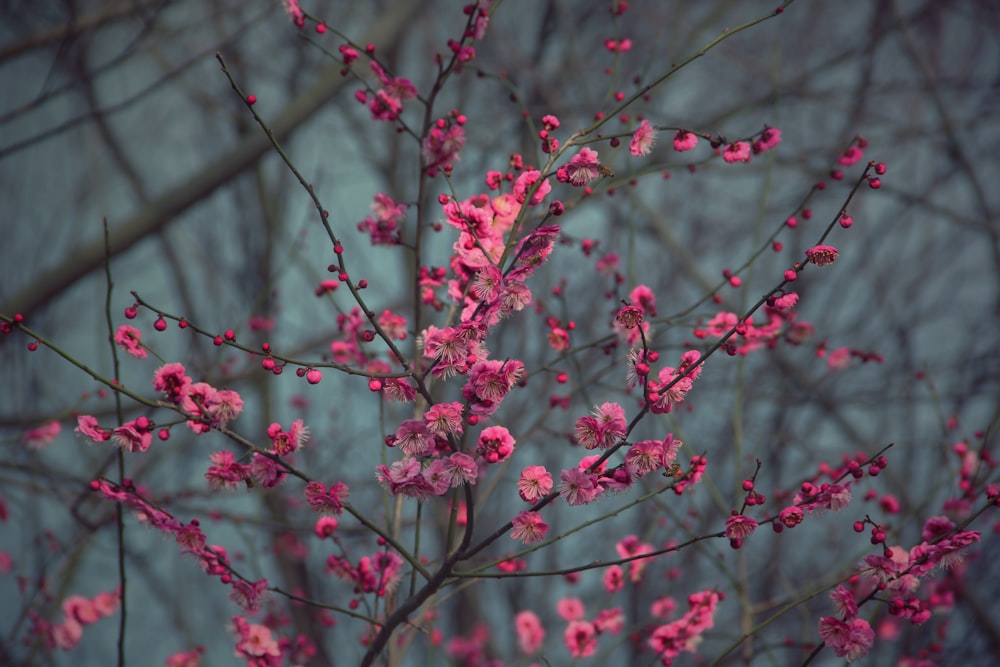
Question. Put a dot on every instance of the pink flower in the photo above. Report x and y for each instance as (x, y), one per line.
(170, 379)
(535, 484)
(848, 639)
(581, 639)
(437, 477)
(460, 468)
(286, 442)
(248, 594)
(851, 155)
(81, 609)
(644, 457)
(67, 634)
(326, 500)
(106, 602)
(413, 438)
(127, 337)
(740, 526)
(769, 139)
(821, 255)
(441, 146)
(255, 641)
(495, 444)
(525, 182)
(529, 528)
(444, 419)
(404, 477)
(791, 516)
(325, 526)
(131, 437)
(38, 437)
(614, 579)
(583, 167)
(684, 141)
(844, 600)
(839, 359)
(225, 472)
(737, 152)
(266, 471)
(570, 609)
(642, 139)
(684, 634)
(190, 658)
(602, 430)
(610, 620)
(577, 488)
(530, 633)
(295, 12)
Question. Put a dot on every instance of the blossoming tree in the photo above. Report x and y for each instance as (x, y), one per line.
(571, 388)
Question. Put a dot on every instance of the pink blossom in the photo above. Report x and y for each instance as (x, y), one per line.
(327, 500)
(535, 483)
(529, 527)
(602, 430)
(286, 442)
(644, 457)
(325, 526)
(821, 255)
(684, 141)
(791, 516)
(610, 620)
(132, 437)
(247, 594)
(581, 639)
(769, 139)
(642, 139)
(577, 488)
(570, 609)
(839, 359)
(404, 477)
(437, 477)
(444, 419)
(225, 472)
(414, 438)
(850, 156)
(254, 641)
(190, 658)
(530, 633)
(106, 602)
(844, 600)
(81, 609)
(170, 380)
(38, 437)
(67, 634)
(535, 248)
(849, 639)
(525, 182)
(684, 634)
(460, 468)
(266, 471)
(736, 152)
(614, 579)
(629, 547)
(385, 106)
(495, 444)
(583, 167)
(441, 147)
(127, 337)
(740, 526)
(295, 12)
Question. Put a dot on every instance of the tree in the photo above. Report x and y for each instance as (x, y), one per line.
(569, 320)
